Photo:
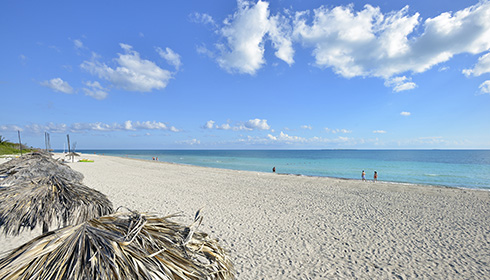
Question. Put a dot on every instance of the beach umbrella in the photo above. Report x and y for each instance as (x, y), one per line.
(72, 155)
(120, 246)
(35, 165)
(47, 201)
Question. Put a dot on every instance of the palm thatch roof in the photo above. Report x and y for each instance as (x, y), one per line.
(121, 246)
(48, 201)
(36, 164)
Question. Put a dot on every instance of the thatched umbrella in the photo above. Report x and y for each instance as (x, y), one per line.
(47, 201)
(120, 246)
(35, 165)
(72, 155)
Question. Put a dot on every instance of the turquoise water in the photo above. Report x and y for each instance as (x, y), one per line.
(453, 168)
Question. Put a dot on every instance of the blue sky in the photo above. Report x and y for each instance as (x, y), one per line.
(246, 75)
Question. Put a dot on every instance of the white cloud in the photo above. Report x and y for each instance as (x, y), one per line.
(306, 127)
(202, 18)
(95, 90)
(342, 38)
(57, 84)
(170, 56)
(126, 126)
(406, 114)
(246, 32)
(226, 126)
(78, 44)
(379, 131)
(202, 49)
(290, 139)
(334, 131)
(400, 83)
(253, 124)
(50, 127)
(369, 43)
(485, 87)
(209, 124)
(280, 35)
(257, 124)
(132, 72)
(23, 59)
(283, 137)
(481, 67)
(190, 142)
(9, 127)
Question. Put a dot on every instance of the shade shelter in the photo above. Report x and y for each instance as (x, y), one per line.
(49, 201)
(126, 245)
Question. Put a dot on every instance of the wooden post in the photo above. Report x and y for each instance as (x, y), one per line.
(68, 137)
(20, 143)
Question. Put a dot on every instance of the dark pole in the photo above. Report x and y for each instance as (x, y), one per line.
(20, 143)
(68, 137)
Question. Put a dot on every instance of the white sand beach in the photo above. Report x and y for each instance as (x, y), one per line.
(297, 227)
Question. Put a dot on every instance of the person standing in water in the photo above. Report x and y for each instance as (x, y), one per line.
(375, 176)
(363, 176)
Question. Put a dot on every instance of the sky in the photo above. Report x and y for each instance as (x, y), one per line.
(279, 74)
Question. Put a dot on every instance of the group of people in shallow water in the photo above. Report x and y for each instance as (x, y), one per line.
(375, 177)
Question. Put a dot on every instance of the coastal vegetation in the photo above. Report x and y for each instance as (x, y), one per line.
(9, 148)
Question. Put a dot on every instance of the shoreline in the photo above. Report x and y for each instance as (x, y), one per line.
(313, 176)
(298, 227)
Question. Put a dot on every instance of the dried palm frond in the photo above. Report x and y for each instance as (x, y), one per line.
(35, 165)
(120, 246)
(47, 201)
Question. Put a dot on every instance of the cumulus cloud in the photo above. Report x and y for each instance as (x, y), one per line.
(283, 137)
(126, 126)
(306, 127)
(400, 83)
(257, 124)
(253, 124)
(95, 90)
(170, 56)
(202, 18)
(245, 33)
(379, 131)
(406, 114)
(356, 42)
(50, 127)
(209, 124)
(96, 126)
(132, 73)
(370, 43)
(78, 44)
(57, 84)
(292, 139)
(485, 87)
(334, 131)
(481, 67)
(190, 142)
(10, 127)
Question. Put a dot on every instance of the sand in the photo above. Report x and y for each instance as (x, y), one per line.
(298, 227)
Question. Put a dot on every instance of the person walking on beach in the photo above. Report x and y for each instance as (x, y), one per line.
(274, 169)
(375, 176)
(363, 176)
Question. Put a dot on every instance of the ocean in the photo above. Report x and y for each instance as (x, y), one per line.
(452, 168)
